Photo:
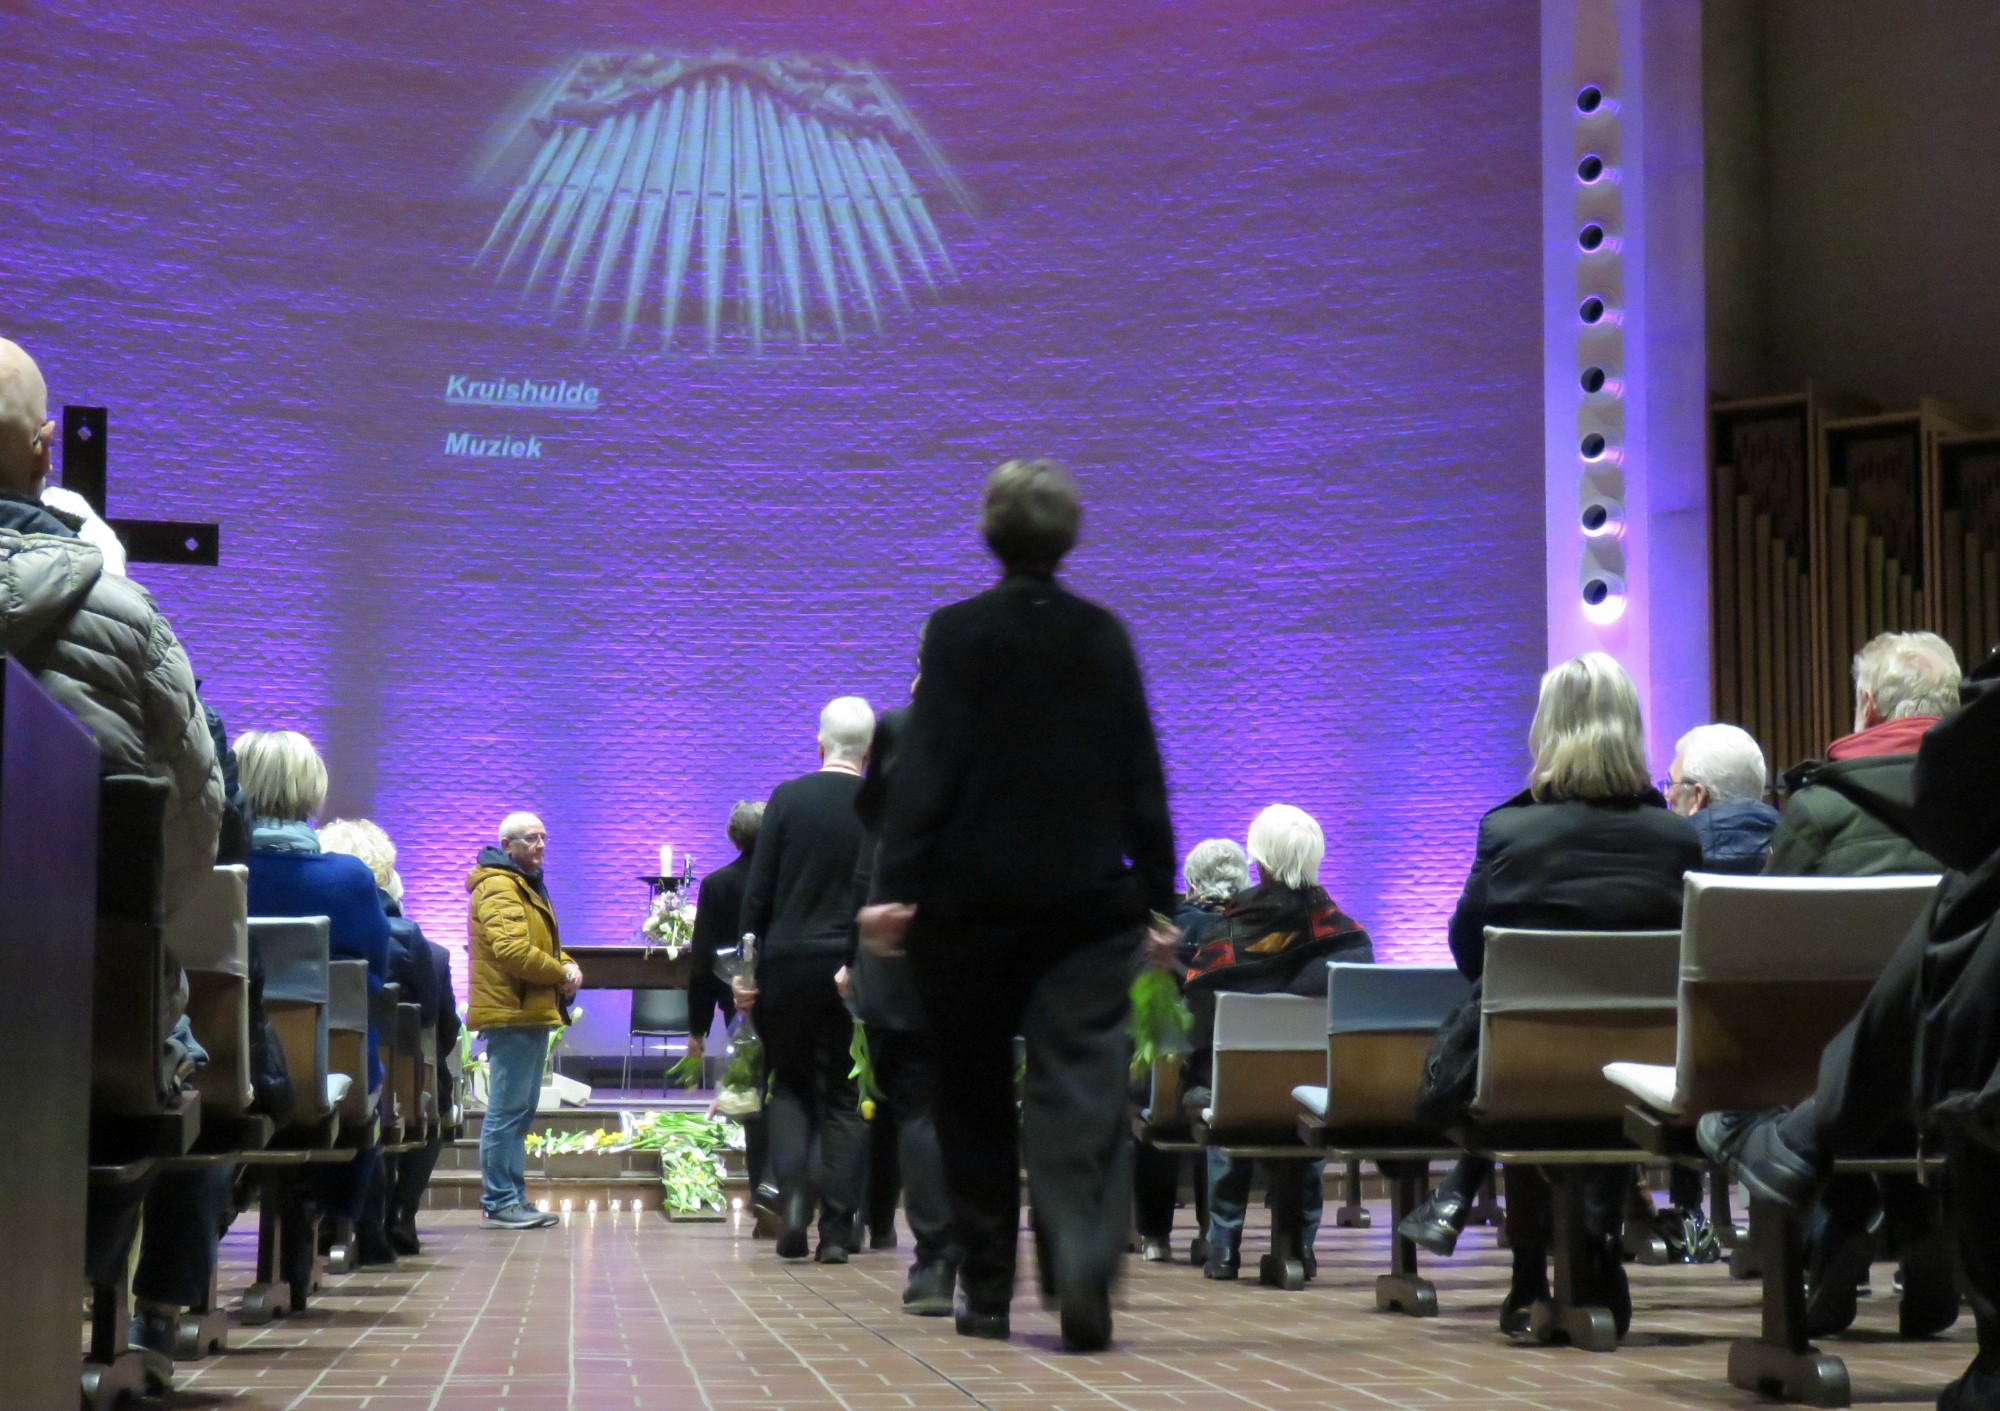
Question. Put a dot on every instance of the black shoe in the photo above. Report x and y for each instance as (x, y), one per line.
(1435, 1225)
(1836, 1267)
(1976, 1389)
(402, 1229)
(373, 1251)
(1198, 1250)
(971, 1323)
(882, 1240)
(1615, 1286)
(1158, 1251)
(1530, 1286)
(1752, 1149)
(1929, 1302)
(792, 1213)
(830, 1253)
(1222, 1264)
(928, 1293)
(1310, 1262)
(1086, 1317)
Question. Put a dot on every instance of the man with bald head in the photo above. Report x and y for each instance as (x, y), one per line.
(26, 436)
(522, 984)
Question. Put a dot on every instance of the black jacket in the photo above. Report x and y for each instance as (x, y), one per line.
(1573, 865)
(410, 963)
(1028, 795)
(718, 908)
(1736, 836)
(448, 1020)
(1850, 818)
(25, 516)
(799, 898)
(885, 994)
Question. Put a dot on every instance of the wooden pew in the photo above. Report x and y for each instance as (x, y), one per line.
(137, 1118)
(1770, 969)
(48, 918)
(1555, 1007)
(1266, 1046)
(348, 1007)
(294, 952)
(1380, 1021)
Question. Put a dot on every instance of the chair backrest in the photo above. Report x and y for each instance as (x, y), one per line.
(210, 935)
(1380, 1021)
(383, 1002)
(347, 1036)
(1556, 1006)
(1265, 1045)
(1770, 969)
(130, 1019)
(659, 1011)
(406, 1069)
(294, 952)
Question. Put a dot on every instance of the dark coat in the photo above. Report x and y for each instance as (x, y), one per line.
(410, 964)
(25, 516)
(1850, 818)
(799, 898)
(1573, 865)
(448, 1022)
(885, 993)
(1028, 796)
(718, 908)
(1735, 837)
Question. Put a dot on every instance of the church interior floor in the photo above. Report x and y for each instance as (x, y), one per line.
(617, 1311)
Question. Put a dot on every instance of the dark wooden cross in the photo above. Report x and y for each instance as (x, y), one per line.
(86, 455)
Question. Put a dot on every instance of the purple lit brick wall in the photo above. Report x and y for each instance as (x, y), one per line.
(1266, 274)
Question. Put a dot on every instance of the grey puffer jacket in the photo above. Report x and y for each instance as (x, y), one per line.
(99, 646)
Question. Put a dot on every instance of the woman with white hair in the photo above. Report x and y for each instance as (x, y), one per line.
(1589, 845)
(1275, 938)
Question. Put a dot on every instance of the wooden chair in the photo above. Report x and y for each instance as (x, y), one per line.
(1770, 969)
(1266, 1046)
(48, 917)
(1556, 1006)
(348, 1010)
(1380, 1021)
(294, 951)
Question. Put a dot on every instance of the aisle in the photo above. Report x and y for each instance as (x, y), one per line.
(668, 1317)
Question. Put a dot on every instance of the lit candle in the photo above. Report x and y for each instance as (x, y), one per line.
(666, 859)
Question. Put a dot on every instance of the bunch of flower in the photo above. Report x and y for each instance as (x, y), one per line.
(669, 925)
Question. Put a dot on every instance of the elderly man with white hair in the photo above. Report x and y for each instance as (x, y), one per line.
(522, 982)
(799, 903)
(1717, 783)
(1849, 815)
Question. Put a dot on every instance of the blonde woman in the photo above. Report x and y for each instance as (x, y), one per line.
(1589, 845)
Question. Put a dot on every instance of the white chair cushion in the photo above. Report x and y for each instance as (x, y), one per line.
(337, 1085)
(1652, 1083)
(1312, 1100)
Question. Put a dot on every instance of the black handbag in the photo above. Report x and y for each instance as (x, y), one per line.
(1451, 1067)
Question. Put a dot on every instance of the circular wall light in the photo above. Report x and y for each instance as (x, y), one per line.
(1589, 168)
(1589, 99)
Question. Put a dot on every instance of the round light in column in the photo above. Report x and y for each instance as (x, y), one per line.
(1593, 379)
(1589, 168)
(1591, 310)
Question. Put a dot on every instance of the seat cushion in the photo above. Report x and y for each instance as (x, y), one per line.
(337, 1085)
(1652, 1083)
(1312, 1100)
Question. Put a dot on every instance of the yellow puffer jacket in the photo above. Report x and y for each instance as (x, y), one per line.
(517, 964)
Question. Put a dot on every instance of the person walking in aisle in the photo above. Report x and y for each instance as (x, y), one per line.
(1026, 842)
(522, 983)
(799, 903)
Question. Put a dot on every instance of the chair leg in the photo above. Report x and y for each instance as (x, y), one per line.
(1352, 1215)
(625, 1083)
(1577, 1313)
(1284, 1267)
(1730, 1235)
(1781, 1362)
(1403, 1289)
(115, 1369)
(204, 1329)
(1643, 1241)
(260, 1305)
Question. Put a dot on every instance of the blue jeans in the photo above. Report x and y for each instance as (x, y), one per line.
(514, 1058)
(1229, 1197)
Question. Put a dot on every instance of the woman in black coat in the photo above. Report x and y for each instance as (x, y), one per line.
(1589, 845)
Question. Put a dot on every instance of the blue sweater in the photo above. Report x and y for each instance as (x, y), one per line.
(340, 888)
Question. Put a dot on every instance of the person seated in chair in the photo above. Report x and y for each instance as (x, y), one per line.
(1214, 872)
(1717, 782)
(1275, 938)
(1923, 1053)
(1589, 845)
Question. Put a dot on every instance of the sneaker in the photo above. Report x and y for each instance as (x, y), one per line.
(519, 1217)
(154, 1332)
(1754, 1151)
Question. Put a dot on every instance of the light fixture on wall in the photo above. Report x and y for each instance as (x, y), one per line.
(1599, 344)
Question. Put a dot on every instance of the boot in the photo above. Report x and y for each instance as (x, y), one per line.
(1436, 1225)
(1529, 1287)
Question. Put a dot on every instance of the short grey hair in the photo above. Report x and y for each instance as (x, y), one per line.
(1287, 845)
(360, 837)
(1725, 760)
(746, 821)
(1907, 673)
(283, 777)
(1587, 738)
(1215, 870)
(516, 823)
(1030, 514)
(846, 727)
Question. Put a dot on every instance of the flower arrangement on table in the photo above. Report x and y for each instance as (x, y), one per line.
(669, 924)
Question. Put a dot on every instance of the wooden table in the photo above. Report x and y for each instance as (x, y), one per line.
(631, 967)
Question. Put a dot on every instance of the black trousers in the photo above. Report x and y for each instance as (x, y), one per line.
(808, 1037)
(1068, 1002)
(885, 1166)
(906, 1072)
(1867, 1072)
(1156, 1190)
(185, 1214)
(411, 1175)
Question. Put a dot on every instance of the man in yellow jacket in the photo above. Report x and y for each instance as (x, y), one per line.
(521, 986)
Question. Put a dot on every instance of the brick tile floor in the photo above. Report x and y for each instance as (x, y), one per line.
(614, 1312)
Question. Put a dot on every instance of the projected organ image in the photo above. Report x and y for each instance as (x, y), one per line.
(721, 201)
